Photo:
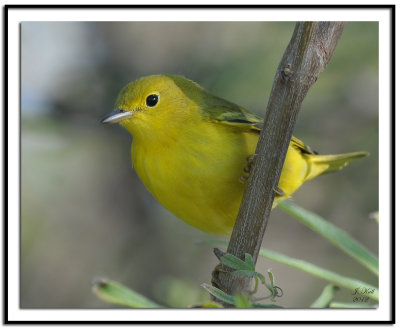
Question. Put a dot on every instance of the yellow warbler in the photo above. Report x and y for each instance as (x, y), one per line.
(190, 148)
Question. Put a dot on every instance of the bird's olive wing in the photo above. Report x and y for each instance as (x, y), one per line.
(227, 113)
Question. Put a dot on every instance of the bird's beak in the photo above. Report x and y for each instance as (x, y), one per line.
(116, 116)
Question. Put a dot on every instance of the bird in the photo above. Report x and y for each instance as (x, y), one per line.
(194, 150)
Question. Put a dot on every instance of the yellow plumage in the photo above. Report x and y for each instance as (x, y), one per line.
(190, 149)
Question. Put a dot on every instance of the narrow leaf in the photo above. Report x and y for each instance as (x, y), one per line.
(322, 273)
(261, 277)
(249, 261)
(235, 262)
(271, 278)
(211, 304)
(218, 293)
(115, 293)
(335, 235)
(271, 289)
(326, 297)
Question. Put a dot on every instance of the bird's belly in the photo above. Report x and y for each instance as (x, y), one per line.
(200, 187)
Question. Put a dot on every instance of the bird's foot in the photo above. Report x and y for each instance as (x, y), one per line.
(250, 161)
(279, 192)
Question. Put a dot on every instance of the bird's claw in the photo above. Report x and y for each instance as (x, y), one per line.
(278, 191)
(249, 164)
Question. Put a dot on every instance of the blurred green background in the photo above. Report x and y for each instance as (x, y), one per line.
(85, 213)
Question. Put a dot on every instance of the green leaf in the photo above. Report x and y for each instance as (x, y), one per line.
(211, 304)
(271, 287)
(115, 293)
(322, 273)
(326, 297)
(271, 278)
(242, 301)
(249, 261)
(335, 235)
(235, 262)
(261, 277)
(218, 293)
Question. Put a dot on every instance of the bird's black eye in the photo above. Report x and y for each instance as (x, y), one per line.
(152, 100)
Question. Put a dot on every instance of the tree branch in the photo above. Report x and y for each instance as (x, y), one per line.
(309, 50)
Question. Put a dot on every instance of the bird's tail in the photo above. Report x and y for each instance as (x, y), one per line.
(323, 164)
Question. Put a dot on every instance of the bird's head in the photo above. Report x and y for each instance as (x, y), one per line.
(155, 104)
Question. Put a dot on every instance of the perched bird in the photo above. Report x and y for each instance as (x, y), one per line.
(192, 150)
